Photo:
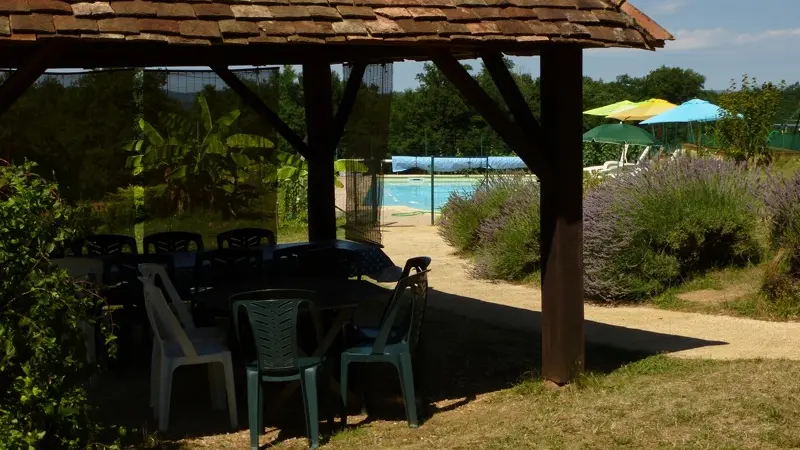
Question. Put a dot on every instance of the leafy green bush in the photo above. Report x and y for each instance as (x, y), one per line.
(509, 243)
(462, 215)
(668, 222)
(43, 313)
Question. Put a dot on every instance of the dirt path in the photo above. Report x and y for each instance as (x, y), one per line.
(635, 328)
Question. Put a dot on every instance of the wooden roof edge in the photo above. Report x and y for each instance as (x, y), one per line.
(649, 25)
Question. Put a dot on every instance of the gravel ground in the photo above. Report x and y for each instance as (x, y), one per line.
(680, 334)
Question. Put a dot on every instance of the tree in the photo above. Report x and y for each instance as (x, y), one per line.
(673, 84)
(749, 115)
(202, 161)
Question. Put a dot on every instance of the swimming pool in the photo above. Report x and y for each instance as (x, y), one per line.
(415, 192)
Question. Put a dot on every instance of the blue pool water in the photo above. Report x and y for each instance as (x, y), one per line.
(416, 192)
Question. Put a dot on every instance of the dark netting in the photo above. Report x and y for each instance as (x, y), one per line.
(364, 146)
(173, 173)
(214, 170)
(74, 126)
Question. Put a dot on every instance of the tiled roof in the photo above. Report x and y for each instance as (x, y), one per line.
(470, 24)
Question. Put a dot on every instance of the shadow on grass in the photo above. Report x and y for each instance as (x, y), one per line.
(484, 348)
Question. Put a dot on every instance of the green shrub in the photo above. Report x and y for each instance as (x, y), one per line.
(671, 221)
(463, 214)
(43, 366)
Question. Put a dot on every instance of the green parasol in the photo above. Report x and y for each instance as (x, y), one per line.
(620, 133)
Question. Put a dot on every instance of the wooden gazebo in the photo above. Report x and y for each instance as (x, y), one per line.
(36, 35)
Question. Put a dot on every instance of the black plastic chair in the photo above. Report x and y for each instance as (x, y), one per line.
(245, 238)
(172, 241)
(272, 348)
(109, 245)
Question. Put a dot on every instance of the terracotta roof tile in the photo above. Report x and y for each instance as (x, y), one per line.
(356, 12)
(95, 10)
(311, 28)
(427, 13)
(71, 24)
(238, 28)
(275, 28)
(122, 25)
(324, 13)
(472, 24)
(251, 12)
(461, 15)
(49, 6)
(5, 26)
(514, 12)
(11, 6)
(212, 11)
(290, 12)
(200, 29)
(481, 28)
(160, 26)
(267, 40)
(447, 29)
(490, 13)
(383, 27)
(175, 10)
(548, 14)
(147, 37)
(393, 13)
(134, 9)
(350, 27)
(32, 23)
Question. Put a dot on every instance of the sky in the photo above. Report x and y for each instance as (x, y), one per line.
(721, 39)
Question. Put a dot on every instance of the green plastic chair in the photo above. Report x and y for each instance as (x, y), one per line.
(418, 264)
(395, 348)
(277, 356)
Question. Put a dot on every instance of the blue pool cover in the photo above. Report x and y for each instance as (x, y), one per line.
(403, 163)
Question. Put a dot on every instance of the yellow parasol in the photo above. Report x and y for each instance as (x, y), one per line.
(643, 110)
(611, 109)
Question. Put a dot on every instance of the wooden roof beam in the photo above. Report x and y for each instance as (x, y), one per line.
(253, 101)
(473, 93)
(27, 74)
(513, 98)
(348, 101)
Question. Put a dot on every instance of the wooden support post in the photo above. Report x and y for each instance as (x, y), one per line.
(562, 214)
(319, 122)
(269, 116)
(24, 77)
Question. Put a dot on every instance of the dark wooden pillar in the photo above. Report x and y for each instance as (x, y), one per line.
(319, 124)
(562, 214)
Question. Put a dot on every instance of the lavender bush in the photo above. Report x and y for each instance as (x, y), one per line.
(782, 203)
(463, 214)
(670, 221)
(509, 242)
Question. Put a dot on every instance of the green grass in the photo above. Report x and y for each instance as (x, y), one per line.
(658, 402)
(740, 286)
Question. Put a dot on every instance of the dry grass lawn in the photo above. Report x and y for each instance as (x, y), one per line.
(481, 382)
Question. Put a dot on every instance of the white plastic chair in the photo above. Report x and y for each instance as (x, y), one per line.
(149, 271)
(175, 349)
